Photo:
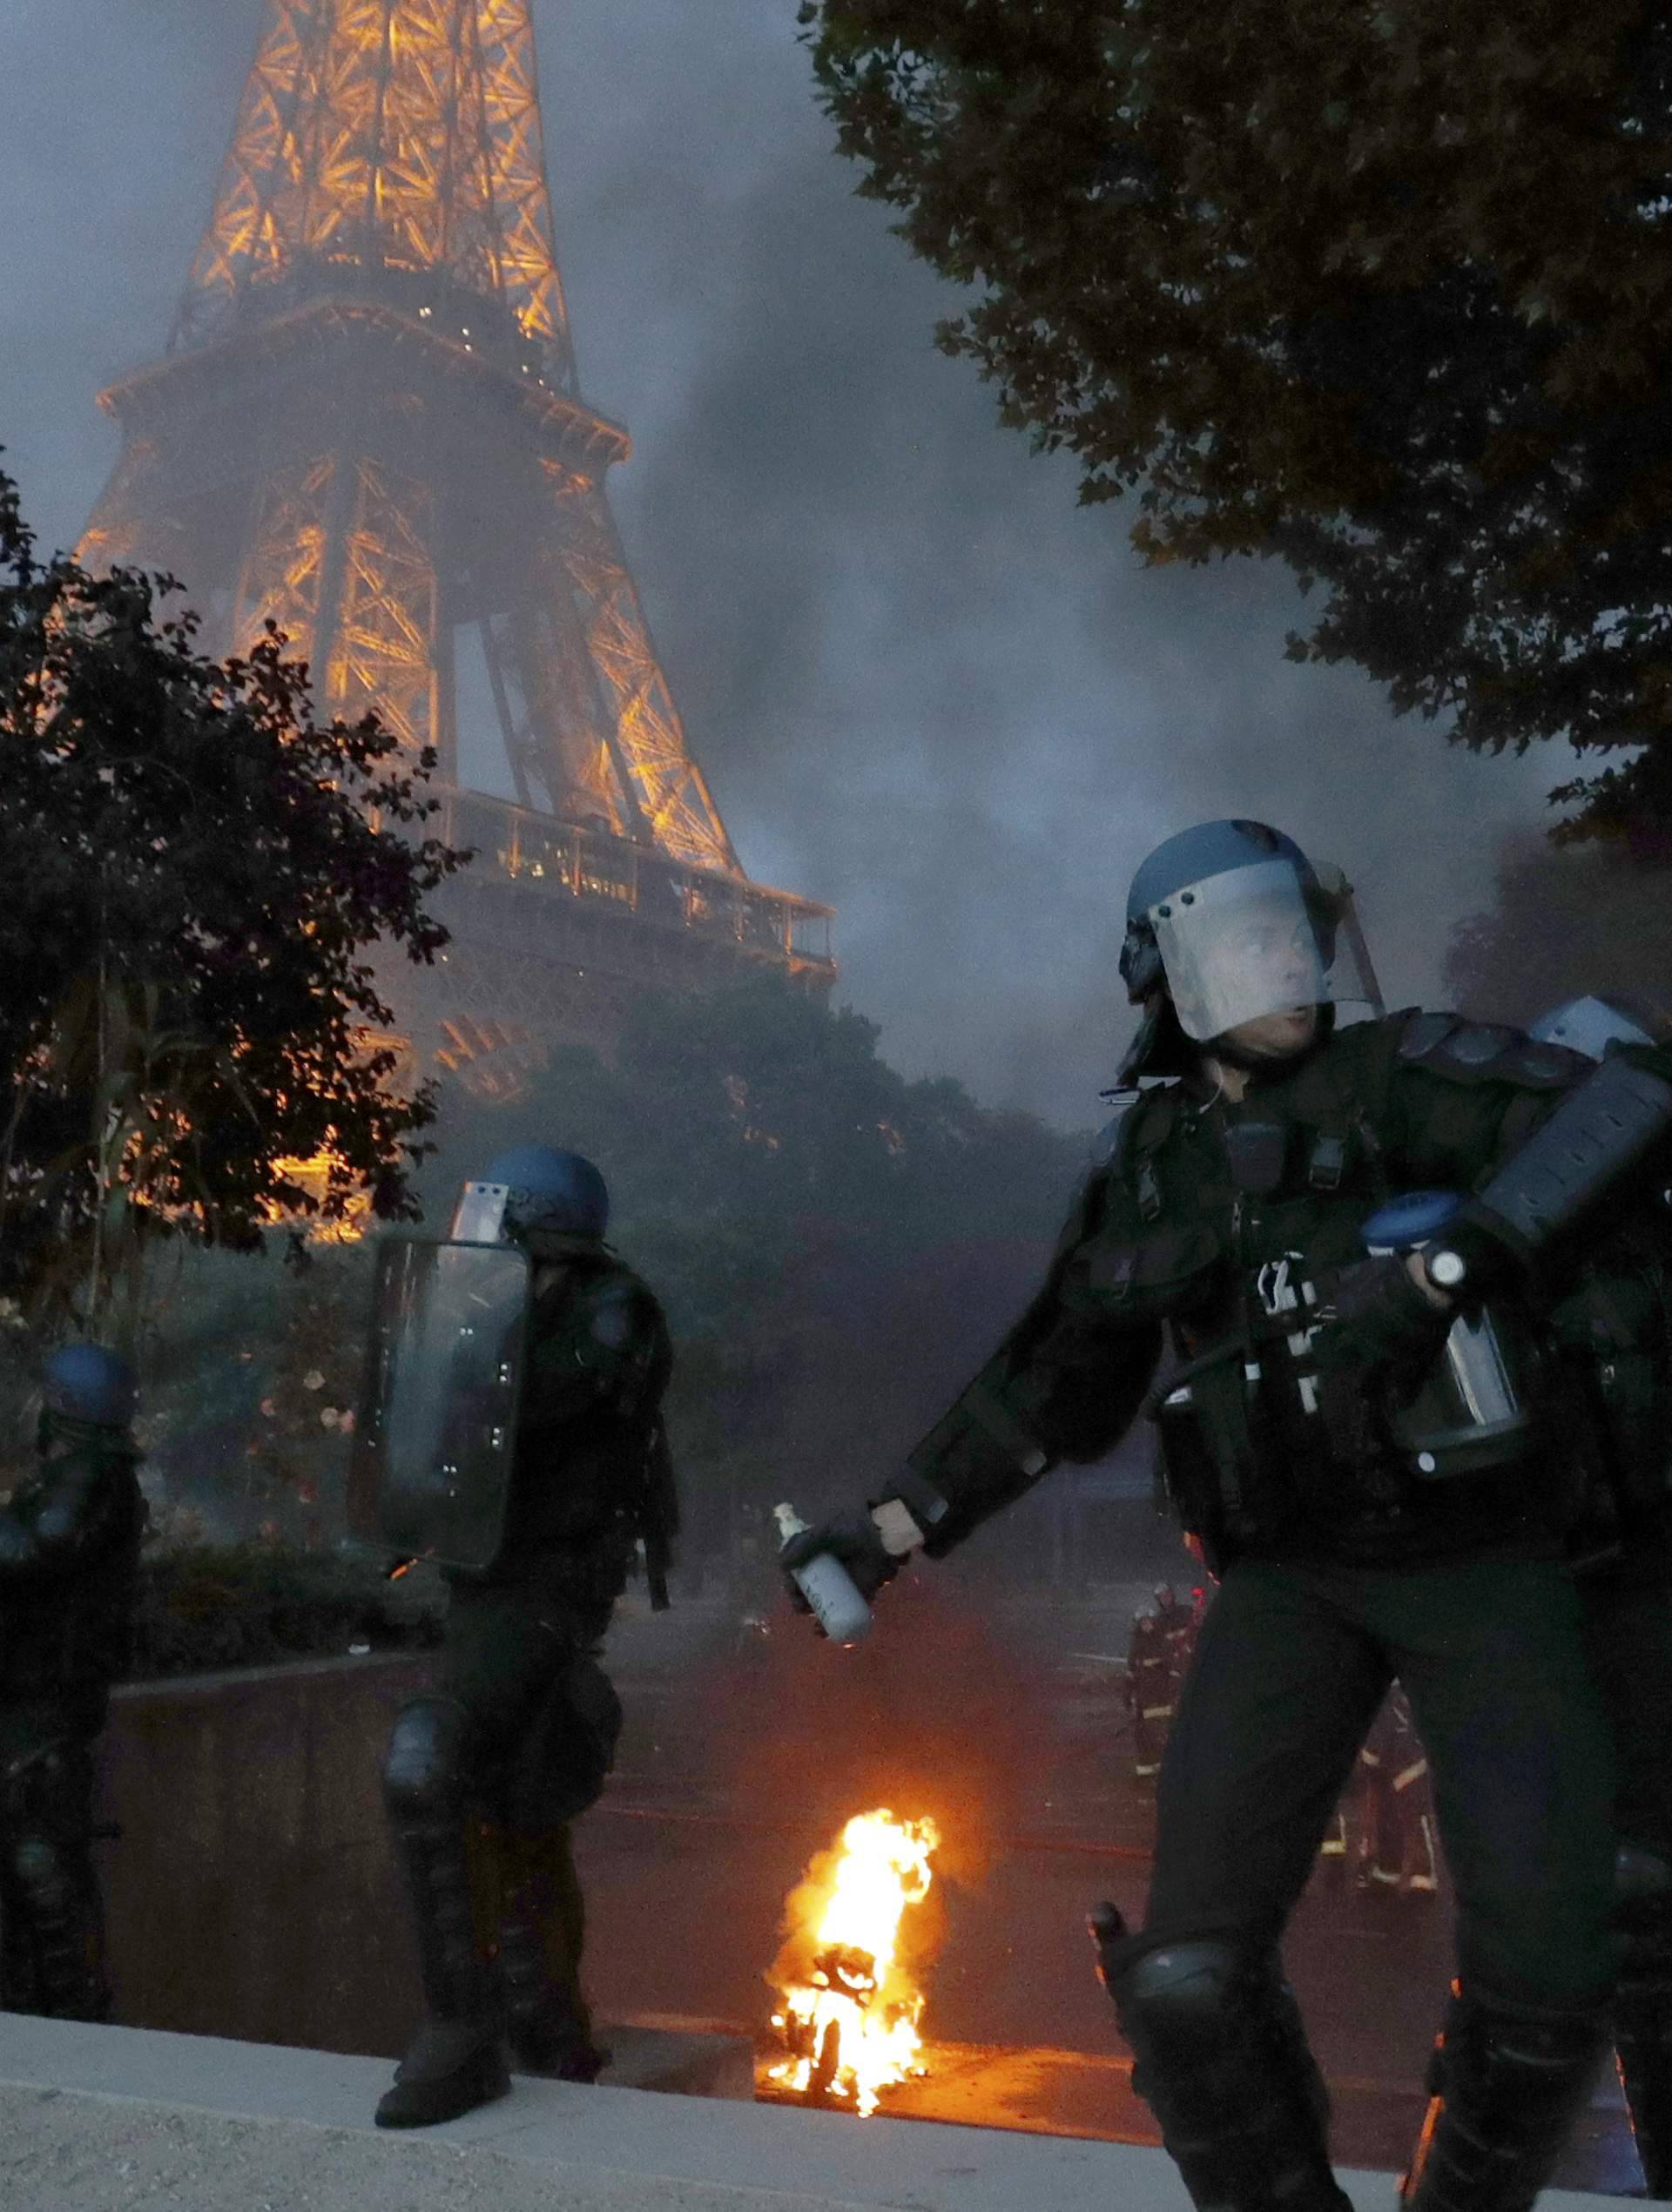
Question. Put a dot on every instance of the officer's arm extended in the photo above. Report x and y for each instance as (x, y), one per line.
(1066, 1383)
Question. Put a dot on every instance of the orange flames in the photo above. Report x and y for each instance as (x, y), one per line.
(849, 2010)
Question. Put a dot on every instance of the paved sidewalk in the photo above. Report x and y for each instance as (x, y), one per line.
(107, 2119)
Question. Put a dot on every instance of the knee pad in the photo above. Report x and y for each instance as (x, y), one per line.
(1177, 2002)
(424, 1768)
(40, 1870)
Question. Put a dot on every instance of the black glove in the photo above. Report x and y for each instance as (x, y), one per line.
(1488, 1251)
(1374, 1319)
(853, 1538)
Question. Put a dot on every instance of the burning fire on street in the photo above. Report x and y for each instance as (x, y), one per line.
(848, 2008)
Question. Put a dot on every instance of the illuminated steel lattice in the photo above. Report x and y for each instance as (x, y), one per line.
(388, 134)
(367, 432)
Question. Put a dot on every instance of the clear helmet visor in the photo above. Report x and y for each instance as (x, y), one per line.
(1246, 944)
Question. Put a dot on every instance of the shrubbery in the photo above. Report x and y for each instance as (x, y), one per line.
(205, 1607)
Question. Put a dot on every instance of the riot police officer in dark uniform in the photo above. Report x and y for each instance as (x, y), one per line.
(1612, 1328)
(70, 1542)
(1156, 1658)
(1396, 1830)
(485, 1773)
(1361, 1437)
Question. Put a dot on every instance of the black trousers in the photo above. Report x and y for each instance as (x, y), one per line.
(541, 1724)
(1626, 1610)
(1292, 1663)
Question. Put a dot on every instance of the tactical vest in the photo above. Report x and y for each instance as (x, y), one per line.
(1246, 1211)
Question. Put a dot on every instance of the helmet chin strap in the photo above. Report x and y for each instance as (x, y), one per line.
(1248, 1062)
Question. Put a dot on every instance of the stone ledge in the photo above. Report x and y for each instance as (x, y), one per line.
(204, 2125)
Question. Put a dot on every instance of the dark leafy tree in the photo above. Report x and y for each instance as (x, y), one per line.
(193, 874)
(1382, 289)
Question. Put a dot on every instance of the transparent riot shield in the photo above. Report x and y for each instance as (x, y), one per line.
(431, 1470)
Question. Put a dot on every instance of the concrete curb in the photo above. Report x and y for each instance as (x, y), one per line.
(100, 2119)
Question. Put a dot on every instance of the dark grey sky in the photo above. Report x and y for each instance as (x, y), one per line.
(926, 686)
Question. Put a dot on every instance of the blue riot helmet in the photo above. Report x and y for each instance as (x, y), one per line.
(1230, 920)
(89, 1382)
(533, 1187)
(1591, 1024)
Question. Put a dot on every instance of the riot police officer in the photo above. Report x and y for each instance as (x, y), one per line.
(485, 1773)
(1156, 1658)
(70, 1541)
(1396, 1829)
(1611, 1327)
(1357, 1436)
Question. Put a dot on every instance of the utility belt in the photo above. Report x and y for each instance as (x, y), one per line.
(1253, 1439)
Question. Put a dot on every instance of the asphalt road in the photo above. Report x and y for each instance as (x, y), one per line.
(745, 1751)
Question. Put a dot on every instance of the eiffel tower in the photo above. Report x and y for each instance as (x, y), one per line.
(367, 429)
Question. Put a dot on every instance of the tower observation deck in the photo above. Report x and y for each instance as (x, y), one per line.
(367, 429)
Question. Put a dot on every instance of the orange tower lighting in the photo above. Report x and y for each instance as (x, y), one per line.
(367, 429)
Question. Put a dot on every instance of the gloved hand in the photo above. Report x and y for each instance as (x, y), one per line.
(1373, 1317)
(853, 1537)
(1492, 1252)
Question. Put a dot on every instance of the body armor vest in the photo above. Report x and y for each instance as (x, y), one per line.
(591, 1476)
(1260, 1452)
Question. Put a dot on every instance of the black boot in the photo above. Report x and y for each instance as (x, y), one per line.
(550, 2028)
(1507, 2084)
(1642, 2011)
(450, 2067)
(1221, 2058)
(456, 2060)
(541, 1931)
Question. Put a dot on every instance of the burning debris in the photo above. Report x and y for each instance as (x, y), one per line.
(848, 2009)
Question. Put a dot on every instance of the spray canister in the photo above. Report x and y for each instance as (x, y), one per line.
(839, 1609)
(1472, 1413)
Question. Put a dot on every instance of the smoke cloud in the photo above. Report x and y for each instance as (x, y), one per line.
(926, 686)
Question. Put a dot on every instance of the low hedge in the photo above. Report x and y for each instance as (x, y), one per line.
(205, 1606)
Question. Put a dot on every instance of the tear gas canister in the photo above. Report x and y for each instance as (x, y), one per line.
(1470, 1414)
(834, 1596)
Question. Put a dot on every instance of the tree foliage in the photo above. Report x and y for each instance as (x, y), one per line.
(1384, 289)
(193, 876)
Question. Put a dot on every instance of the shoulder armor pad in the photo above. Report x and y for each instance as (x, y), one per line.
(611, 1321)
(1478, 1052)
(616, 1305)
(1423, 1032)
